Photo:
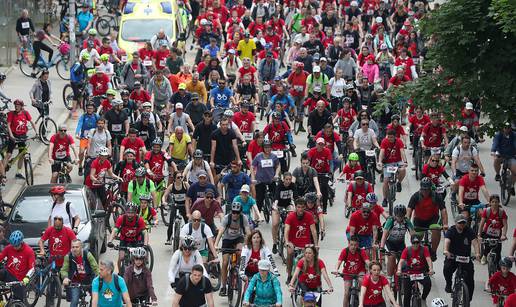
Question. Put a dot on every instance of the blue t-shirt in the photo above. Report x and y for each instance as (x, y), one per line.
(83, 19)
(221, 97)
(109, 295)
(235, 182)
(246, 205)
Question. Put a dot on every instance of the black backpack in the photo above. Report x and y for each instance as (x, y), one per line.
(115, 279)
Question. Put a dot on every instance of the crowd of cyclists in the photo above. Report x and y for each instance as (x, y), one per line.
(214, 137)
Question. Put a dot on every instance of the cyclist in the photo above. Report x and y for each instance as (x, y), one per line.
(284, 195)
(305, 178)
(394, 232)
(109, 289)
(502, 282)
(130, 227)
(19, 265)
(265, 285)
(427, 208)
(139, 279)
(149, 214)
(357, 191)
(80, 267)
(308, 273)
(86, 122)
(470, 185)
(504, 144)
(253, 252)
(140, 186)
(265, 168)
(364, 223)
(194, 290)
(59, 151)
(233, 181)
(493, 225)
(374, 287)
(194, 167)
(17, 127)
(234, 228)
(320, 158)
(355, 261)
(415, 260)
(209, 208)
(155, 161)
(59, 239)
(392, 153)
(117, 122)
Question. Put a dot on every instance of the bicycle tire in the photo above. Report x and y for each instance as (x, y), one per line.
(103, 26)
(267, 208)
(149, 262)
(47, 128)
(29, 174)
(63, 68)
(177, 229)
(68, 96)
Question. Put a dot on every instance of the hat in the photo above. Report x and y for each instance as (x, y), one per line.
(179, 105)
(231, 51)
(316, 69)
(182, 86)
(463, 128)
(264, 264)
(245, 188)
(324, 59)
(460, 218)
(202, 174)
(320, 141)
(469, 106)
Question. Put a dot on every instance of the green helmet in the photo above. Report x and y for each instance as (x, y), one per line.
(92, 31)
(86, 56)
(104, 57)
(353, 156)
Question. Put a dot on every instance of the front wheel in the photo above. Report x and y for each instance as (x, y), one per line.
(47, 129)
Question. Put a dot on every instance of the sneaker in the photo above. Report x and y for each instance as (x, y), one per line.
(384, 203)
(223, 291)
(483, 260)
(398, 187)
(448, 289)
(81, 171)
(275, 248)
(497, 177)
(19, 176)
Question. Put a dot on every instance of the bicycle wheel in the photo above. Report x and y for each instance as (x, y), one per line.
(53, 291)
(177, 230)
(103, 26)
(149, 262)
(47, 128)
(68, 96)
(63, 68)
(27, 164)
(267, 209)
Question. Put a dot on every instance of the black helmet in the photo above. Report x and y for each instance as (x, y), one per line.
(426, 184)
(311, 197)
(198, 153)
(506, 262)
(157, 141)
(400, 210)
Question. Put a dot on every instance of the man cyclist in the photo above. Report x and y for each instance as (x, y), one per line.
(234, 228)
(504, 147)
(392, 153)
(86, 122)
(130, 227)
(427, 209)
(139, 279)
(141, 186)
(59, 152)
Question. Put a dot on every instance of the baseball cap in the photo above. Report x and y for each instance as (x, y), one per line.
(179, 105)
(460, 218)
(316, 69)
(245, 188)
(320, 141)
(469, 106)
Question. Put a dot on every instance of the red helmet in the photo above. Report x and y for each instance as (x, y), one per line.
(58, 189)
(19, 101)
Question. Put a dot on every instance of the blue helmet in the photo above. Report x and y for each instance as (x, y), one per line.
(16, 238)
(309, 297)
(371, 198)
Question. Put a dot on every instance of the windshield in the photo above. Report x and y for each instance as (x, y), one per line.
(36, 209)
(142, 30)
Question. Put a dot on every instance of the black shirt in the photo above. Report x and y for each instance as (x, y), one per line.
(202, 134)
(194, 296)
(224, 153)
(460, 242)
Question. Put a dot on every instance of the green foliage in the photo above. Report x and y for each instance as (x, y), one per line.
(475, 47)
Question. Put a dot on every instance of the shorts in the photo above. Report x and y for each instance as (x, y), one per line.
(393, 246)
(226, 243)
(364, 241)
(425, 223)
(12, 144)
(56, 167)
(387, 175)
(83, 144)
(126, 244)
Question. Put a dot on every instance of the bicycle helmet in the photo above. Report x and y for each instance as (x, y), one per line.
(129, 151)
(276, 115)
(506, 262)
(16, 238)
(358, 174)
(198, 153)
(353, 156)
(111, 92)
(228, 113)
(103, 151)
(311, 197)
(188, 242)
(104, 57)
(426, 184)
(157, 141)
(131, 207)
(146, 197)
(236, 207)
(140, 172)
(92, 31)
(400, 210)
(138, 253)
(309, 297)
(57, 189)
(2, 76)
(371, 198)
(125, 93)
(439, 302)
(116, 102)
(19, 102)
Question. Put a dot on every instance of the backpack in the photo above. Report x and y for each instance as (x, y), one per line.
(421, 256)
(72, 219)
(241, 223)
(115, 279)
(190, 229)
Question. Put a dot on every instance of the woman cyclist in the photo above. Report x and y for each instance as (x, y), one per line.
(253, 251)
(308, 273)
(265, 286)
(177, 192)
(374, 286)
(195, 166)
(183, 260)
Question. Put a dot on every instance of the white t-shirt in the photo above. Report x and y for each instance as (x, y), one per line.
(200, 242)
(60, 210)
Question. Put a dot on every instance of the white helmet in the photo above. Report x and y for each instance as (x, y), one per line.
(103, 151)
(439, 302)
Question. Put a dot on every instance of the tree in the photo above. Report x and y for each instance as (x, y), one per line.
(473, 44)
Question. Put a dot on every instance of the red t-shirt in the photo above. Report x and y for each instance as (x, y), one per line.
(61, 148)
(310, 277)
(130, 231)
(18, 122)
(297, 83)
(350, 171)
(505, 285)
(419, 123)
(392, 150)
(415, 264)
(399, 130)
(135, 145)
(244, 122)
(19, 262)
(434, 173)
(277, 135)
(100, 169)
(299, 232)
(373, 295)
(252, 265)
(433, 135)
(359, 193)
(471, 188)
(494, 224)
(59, 242)
(330, 140)
(320, 160)
(363, 227)
(247, 71)
(141, 97)
(99, 84)
(346, 118)
(354, 263)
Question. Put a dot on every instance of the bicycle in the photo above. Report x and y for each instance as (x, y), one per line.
(506, 185)
(492, 263)
(44, 282)
(354, 289)
(234, 282)
(460, 291)
(149, 261)
(23, 153)
(6, 297)
(415, 299)
(61, 61)
(84, 289)
(47, 126)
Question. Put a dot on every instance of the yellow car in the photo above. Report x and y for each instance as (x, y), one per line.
(142, 19)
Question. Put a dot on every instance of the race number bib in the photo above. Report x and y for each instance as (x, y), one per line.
(116, 127)
(147, 63)
(25, 25)
(266, 163)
